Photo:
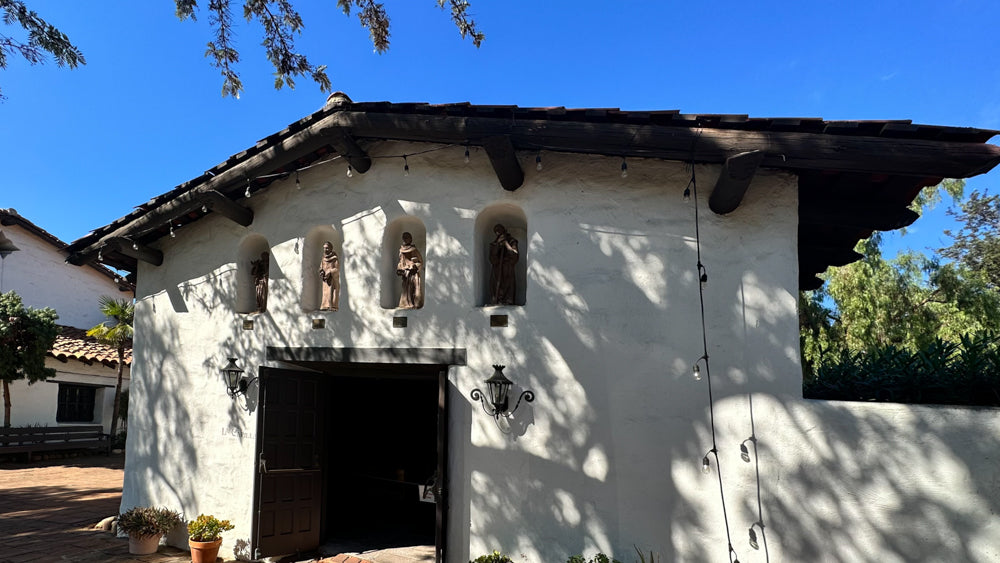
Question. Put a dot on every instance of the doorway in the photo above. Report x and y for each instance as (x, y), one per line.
(364, 460)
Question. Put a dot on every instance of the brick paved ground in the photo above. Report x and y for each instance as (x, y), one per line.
(48, 510)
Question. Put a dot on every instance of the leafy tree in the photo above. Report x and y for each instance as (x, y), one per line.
(42, 38)
(278, 18)
(26, 334)
(977, 244)
(118, 334)
(891, 317)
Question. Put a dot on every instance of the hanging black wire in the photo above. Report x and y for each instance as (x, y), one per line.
(702, 279)
(745, 453)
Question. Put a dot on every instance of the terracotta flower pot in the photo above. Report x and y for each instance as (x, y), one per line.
(143, 545)
(204, 551)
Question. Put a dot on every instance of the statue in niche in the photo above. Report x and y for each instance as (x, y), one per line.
(329, 274)
(408, 268)
(258, 271)
(503, 257)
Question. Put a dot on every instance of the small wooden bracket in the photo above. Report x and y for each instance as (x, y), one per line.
(226, 207)
(503, 157)
(132, 249)
(737, 173)
(345, 144)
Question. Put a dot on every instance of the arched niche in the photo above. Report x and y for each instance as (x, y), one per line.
(312, 256)
(251, 249)
(516, 223)
(392, 284)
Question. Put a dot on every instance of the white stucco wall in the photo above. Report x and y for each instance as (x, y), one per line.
(608, 456)
(36, 404)
(39, 273)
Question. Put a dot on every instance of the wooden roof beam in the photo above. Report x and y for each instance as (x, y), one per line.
(871, 216)
(786, 150)
(135, 250)
(345, 144)
(737, 173)
(226, 207)
(503, 157)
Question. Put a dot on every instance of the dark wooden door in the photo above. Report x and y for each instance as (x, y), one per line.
(289, 474)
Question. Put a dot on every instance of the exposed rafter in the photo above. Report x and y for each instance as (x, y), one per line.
(737, 173)
(503, 157)
(132, 249)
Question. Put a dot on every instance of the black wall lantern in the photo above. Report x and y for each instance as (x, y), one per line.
(236, 382)
(498, 389)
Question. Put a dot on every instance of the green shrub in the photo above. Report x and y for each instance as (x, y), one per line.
(642, 556)
(144, 521)
(495, 557)
(599, 558)
(207, 528)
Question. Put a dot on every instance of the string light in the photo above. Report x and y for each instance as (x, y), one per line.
(350, 173)
(247, 193)
(135, 245)
(753, 535)
(624, 168)
(406, 166)
(466, 154)
(744, 452)
(172, 233)
(696, 369)
(706, 465)
(702, 278)
(687, 194)
(100, 254)
(298, 184)
(538, 162)
(204, 209)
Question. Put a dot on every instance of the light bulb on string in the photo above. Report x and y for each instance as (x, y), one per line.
(687, 194)
(753, 539)
(744, 453)
(247, 192)
(466, 154)
(706, 465)
(100, 254)
(172, 233)
(204, 209)
(135, 245)
(696, 368)
(538, 162)
(350, 173)
(624, 168)
(733, 558)
(702, 276)
(406, 166)
(298, 184)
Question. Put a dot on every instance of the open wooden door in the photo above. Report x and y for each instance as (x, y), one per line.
(288, 493)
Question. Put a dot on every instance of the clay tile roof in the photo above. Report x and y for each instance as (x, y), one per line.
(73, 343)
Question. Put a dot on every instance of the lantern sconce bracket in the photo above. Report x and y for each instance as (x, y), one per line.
(497, 389)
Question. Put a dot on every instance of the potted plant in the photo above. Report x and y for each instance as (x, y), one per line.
(145, 525)
(205, 537)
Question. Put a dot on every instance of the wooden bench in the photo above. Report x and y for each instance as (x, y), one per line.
(48, 438)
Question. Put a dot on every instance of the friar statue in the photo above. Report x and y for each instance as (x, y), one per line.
(503, 257)
(259, 271)
(408, 268)
(329, 274)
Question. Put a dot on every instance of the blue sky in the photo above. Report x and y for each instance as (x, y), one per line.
(81, 147)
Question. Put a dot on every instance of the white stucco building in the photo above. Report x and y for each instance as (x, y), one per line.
(83, 389)
(350, 412)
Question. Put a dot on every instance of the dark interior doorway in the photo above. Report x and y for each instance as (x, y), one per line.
(381, 450)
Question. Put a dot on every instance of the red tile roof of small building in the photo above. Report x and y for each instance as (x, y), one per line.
(74, 344)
